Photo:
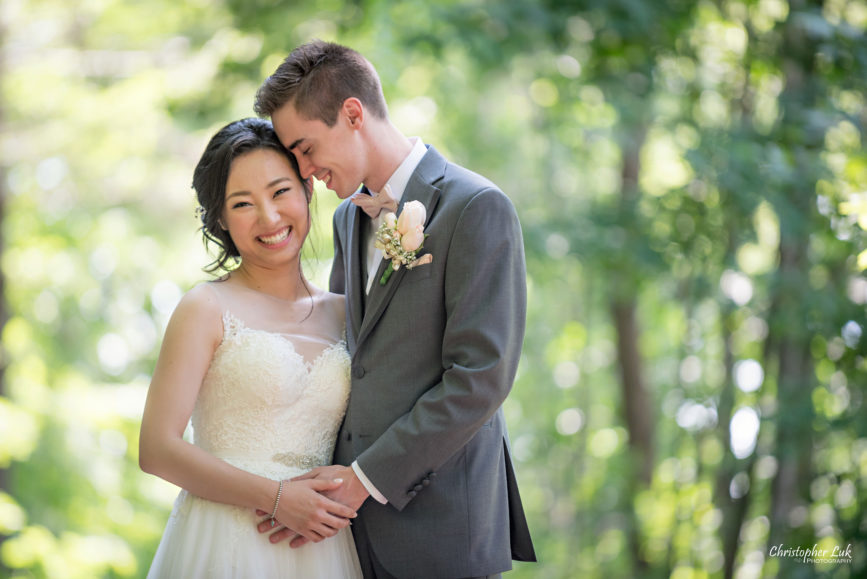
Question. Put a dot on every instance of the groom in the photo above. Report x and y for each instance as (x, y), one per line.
(434, 348)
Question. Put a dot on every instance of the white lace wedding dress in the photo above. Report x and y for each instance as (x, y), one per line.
(271, 404)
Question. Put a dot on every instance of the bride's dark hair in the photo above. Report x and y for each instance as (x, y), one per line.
(212, 173)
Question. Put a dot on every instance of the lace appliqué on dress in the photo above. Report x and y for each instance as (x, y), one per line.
(264, 408)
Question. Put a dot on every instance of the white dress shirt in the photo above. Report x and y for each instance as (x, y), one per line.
(397, 183)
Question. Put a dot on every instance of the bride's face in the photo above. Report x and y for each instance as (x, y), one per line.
(267, 209)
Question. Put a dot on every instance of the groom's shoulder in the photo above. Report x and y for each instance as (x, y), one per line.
(460, 174)
(462, 186)
(447, 173)
(461, 181)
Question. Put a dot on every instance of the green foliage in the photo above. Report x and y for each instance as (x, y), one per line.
(701, 161)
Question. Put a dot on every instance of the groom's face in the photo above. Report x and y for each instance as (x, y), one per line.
(331, 154)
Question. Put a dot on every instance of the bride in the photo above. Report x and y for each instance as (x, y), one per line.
(257, 360)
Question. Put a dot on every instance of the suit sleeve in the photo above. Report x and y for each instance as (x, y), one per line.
(485, 304)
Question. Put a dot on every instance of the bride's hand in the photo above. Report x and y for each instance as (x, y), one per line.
(305, 512)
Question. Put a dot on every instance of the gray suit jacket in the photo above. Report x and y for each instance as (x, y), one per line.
(434, 354)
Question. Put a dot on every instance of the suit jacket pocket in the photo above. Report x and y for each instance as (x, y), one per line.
(418, 273)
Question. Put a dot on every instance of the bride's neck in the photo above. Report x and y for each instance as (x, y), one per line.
(290, 286)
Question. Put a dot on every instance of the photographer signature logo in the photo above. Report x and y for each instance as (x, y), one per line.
(838, 554)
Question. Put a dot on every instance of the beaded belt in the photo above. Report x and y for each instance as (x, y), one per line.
(302, 461)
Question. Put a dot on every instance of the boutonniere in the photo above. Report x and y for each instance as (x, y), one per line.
(401, 238)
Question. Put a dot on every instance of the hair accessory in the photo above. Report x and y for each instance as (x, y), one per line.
(200, 213)
(276, 503)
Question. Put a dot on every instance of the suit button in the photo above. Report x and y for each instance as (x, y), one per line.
(411, 494)
(425, 481)
(358, 372)
(417, 488)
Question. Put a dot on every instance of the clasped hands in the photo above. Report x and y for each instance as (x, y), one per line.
(315, 506)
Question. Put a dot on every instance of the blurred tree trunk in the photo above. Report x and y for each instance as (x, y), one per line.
(789, 329)
(734, 508)
(637, 406)
(636, 401)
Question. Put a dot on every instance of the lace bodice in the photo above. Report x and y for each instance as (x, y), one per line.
(265, 408)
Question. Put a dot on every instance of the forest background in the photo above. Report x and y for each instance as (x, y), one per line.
(692, 181)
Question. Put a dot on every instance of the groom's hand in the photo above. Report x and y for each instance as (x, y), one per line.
(351, 493)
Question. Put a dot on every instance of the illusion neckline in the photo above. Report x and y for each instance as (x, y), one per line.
(234, 324)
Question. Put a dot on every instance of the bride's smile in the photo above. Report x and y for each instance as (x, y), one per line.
(277, 238)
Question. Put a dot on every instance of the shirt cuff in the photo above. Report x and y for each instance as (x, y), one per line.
(367, 484)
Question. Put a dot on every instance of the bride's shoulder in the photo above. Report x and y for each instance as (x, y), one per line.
(333, 300)
(201, 300)
(332, 304)
(198, 312)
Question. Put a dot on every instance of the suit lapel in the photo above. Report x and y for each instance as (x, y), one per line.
(355, 251)
(420, 188)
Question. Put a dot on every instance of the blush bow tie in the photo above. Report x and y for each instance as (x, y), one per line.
(373, 204)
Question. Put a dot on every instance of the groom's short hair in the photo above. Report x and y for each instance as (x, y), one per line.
(317, 77)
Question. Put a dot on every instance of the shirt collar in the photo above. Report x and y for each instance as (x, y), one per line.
(400, 177)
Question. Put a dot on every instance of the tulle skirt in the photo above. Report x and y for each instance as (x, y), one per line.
(216, 541)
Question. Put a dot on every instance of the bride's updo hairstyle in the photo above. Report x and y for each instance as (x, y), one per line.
(212, 173)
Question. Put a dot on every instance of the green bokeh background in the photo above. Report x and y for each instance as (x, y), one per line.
(692, 182)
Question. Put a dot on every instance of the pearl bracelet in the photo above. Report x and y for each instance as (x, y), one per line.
(276, 503)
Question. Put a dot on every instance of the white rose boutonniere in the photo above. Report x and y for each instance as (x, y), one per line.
(401, 238)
